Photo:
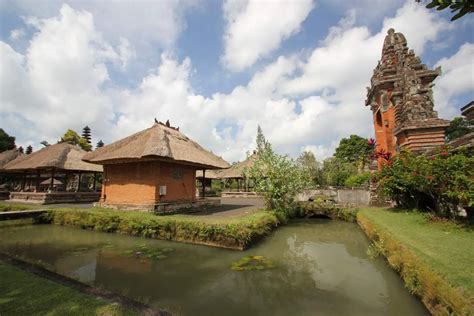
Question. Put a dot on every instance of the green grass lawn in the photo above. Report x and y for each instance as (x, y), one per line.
(447, 247)
(14, 206)
(22, 293)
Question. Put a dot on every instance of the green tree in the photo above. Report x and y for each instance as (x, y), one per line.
(277, 178)
(72, 137)
(353, 149)
(336, 171)
(7, 142)
(86, 134)
(21, 150)
(29, 150)
(307, 161)
(458, 127)
(462, 7)
(100, 143)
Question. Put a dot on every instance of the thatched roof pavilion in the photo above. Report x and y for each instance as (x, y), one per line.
(61, 156)
(159, 142)
(236, 171)
(61, 160)
(151, 168)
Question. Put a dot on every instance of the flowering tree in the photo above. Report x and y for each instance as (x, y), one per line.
(440, 183)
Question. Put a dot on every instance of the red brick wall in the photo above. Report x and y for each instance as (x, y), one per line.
(138, 183)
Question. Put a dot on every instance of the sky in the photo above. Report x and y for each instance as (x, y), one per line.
(299, 69)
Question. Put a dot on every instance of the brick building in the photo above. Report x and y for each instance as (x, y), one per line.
(401, 100)
(152, 169)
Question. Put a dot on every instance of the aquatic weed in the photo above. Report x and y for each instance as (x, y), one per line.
(252, 263)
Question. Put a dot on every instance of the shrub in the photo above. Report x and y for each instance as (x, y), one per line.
(358, 180)
(439, 184)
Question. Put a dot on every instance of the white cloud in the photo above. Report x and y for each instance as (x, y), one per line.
(62, 81)
(457, 78)
(256, 28)
(17, 34)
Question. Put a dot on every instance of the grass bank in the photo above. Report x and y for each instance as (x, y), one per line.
(234, 232)
(22, 293)
(13, 206)
(433, 258)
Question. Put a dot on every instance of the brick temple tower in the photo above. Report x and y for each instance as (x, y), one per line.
(401, 100)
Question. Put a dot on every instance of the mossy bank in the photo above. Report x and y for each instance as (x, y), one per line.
(234, 233)
(433, 259)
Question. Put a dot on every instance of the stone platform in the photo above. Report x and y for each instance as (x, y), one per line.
(54, 197)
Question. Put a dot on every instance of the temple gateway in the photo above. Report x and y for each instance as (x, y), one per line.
(401, 100)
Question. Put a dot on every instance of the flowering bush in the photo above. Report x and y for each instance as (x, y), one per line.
(440, 183)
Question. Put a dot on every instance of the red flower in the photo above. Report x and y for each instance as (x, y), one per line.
(444, 153)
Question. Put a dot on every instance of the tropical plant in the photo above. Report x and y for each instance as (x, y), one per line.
(439, 184)
(307, 161)
(277, 177)
(462, 7)
(72, 137)
(458, 127)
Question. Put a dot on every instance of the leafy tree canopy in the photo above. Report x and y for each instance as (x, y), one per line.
(353, 149)
(7, 142)
(458, 127)
(100, 143)
(277, 178)
(72, 137)
(29, 149)
(460, 7)
(336, 171)
(307, 161)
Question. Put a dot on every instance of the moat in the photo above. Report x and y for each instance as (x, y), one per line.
(319, 267)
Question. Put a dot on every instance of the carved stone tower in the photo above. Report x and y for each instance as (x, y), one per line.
(401, 100)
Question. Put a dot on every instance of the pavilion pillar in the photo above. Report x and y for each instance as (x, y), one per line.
(66, 174)
(95, 181)
(203, 183)
(37, 180)
(51, 185)
(23, 183)
(78, 188)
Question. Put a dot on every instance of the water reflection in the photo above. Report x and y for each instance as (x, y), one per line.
(321, 268)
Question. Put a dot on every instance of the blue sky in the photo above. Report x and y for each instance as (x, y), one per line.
(216, 69)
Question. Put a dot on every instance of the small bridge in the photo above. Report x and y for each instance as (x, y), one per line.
(20, 214)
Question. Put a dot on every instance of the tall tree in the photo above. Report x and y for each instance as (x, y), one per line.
(86, 134)
(353, 149)
(7, 142)
(29, 150)
(100, 143)
(73, 138)
(20, 150)
(336, 171)
(307, 161)
(458, 127)
(262, 142)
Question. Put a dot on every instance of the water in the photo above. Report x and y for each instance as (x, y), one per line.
(321, 268)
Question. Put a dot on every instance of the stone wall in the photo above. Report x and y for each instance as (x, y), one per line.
(54, 197)
(360, 197)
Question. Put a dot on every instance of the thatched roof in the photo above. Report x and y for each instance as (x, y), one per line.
(237, 170)
(59, 156)
(159, 142)
(210, 174)
(7, 156)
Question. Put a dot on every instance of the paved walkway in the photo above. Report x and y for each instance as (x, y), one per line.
(233, 207)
